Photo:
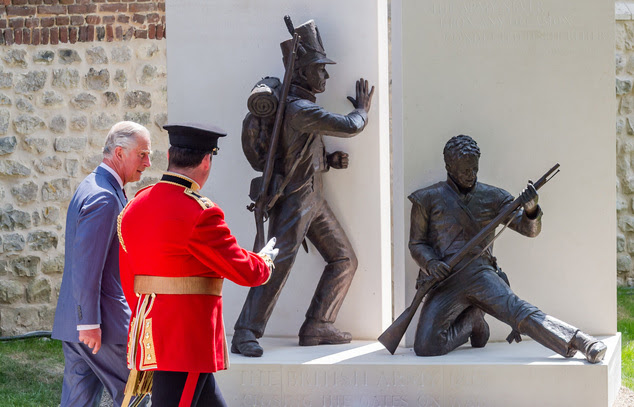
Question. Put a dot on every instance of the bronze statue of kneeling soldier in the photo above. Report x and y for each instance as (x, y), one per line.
(447, 216)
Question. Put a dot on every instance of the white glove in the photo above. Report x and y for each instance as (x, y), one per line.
(269, 250)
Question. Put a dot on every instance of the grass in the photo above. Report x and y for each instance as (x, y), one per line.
(625, 325)
(31, 372)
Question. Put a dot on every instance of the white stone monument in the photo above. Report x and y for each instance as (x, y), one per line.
(530, 80)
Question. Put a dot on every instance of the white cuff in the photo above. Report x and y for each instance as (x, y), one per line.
(85, 327)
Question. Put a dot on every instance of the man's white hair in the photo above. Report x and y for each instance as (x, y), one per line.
(122, 134)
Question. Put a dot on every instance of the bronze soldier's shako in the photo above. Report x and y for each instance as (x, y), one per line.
(311, 49)
(283, 137)
(195, 136)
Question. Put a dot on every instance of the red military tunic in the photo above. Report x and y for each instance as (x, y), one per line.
(169, 230)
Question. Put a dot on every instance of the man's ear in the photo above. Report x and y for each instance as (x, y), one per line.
(118, 152)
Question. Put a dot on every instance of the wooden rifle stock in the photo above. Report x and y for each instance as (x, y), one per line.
(392, 336)
(259, 207)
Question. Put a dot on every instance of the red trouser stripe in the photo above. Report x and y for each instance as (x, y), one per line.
(188, 390)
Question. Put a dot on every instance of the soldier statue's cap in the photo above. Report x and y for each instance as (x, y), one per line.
(195, 136)
(311, 49)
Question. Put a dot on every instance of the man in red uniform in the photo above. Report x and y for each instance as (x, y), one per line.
(176, 249)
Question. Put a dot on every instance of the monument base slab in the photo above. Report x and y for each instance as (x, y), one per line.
(363, 373)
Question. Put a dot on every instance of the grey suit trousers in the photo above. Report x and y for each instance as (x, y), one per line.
(86, 375)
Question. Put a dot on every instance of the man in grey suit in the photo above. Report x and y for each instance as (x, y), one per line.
(92, 315)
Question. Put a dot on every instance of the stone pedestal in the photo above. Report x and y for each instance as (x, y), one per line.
(365, 374)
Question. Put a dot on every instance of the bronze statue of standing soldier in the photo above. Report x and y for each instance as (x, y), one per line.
(300, 210)
(447, 215)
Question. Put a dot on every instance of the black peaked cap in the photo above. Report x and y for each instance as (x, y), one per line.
(195, 136)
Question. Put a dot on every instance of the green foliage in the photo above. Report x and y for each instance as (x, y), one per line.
(625, 325)
(31, 372)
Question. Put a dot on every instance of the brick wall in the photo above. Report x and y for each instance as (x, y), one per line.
(59, 95)
(42, 22)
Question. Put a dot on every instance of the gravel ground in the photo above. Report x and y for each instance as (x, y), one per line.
(625, 398)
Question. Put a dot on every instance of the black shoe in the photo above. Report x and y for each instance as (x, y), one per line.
(314, 332)
(245, 343)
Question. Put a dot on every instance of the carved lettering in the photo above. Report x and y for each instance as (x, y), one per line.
(455, 22)
(382, 400)
(442, 8)
(259, 378)
(481, 38)
(549, 21)
(327, 378)
(337, 400)
(393, 378)
(466, 403)
(429, 380)
(425, 400)
(489, 7)
(300, 400)
(493, 23)
(260, 400)
(466, 379)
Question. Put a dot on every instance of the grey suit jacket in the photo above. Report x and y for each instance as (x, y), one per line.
(91, 290)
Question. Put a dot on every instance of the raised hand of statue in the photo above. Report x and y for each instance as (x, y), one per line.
(529, 199)
(438, 269)
(364, 98)
(338, 160)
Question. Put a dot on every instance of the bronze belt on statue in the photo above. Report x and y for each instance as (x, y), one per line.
(178, 285)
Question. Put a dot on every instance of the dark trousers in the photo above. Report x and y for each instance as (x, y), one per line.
(167, 388)
(303, 214)
(451, 310)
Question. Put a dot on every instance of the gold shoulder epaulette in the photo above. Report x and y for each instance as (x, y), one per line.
(119, 218)
(203, 201)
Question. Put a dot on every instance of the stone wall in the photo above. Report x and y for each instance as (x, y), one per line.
(57, 102)
(625, 142)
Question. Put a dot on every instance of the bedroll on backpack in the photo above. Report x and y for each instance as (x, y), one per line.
(257, 126)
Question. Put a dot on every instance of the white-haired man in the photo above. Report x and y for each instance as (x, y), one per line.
(92, 315)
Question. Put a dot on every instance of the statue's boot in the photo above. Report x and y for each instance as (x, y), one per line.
(245, 342)
(480, 332)
(592, 348)
(315, 332)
